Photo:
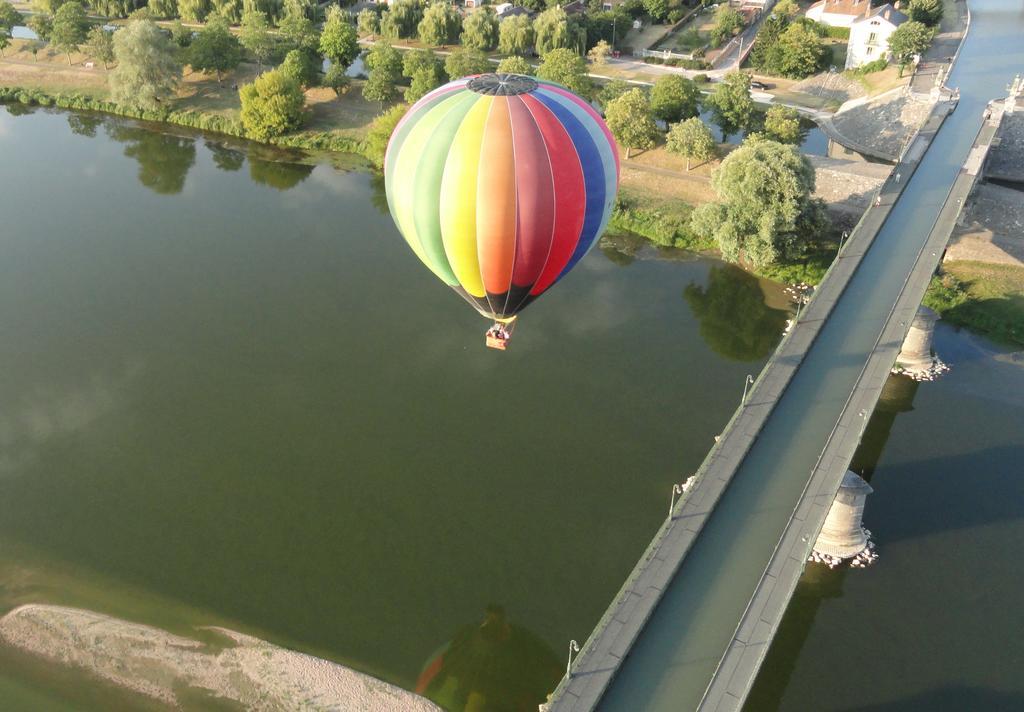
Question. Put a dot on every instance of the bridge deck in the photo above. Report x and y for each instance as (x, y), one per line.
(731, 529)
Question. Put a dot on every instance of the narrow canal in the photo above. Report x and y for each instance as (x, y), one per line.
(231, 396)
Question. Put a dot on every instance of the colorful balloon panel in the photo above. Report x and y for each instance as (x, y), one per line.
(500, 184)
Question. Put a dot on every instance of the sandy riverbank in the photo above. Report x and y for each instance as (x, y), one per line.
(153, 662)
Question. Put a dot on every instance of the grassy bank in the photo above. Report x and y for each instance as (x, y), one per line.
(985, 298)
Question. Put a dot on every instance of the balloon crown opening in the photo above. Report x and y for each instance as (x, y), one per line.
(501, 84)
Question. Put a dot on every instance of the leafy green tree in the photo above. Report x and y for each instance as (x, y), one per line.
(553, 29)
(515, 35)
(99, 45)
(765, 212)
(271, 8)
(734, 320)
(41, 24)
(301, 67)
(367, 22)
(163, 9)
(786, 8)
(630, 121)
(215, 49)
(299, 31)
(193, 10)
(782, 124)
(515, 65)
(909, 39)
(692, 140)
(762, 55)
(674, 98)
(657, 9)
(608, 25)
(181, 35)
(927, 12)
(799, 53)
(425, 72)
(229, 10)
(728, 23)
(336, 79)
(5, 39)
(9, 17)
(565, 67)
(480, 29)
(147, 71)
(385, 65)
(111, 8)
(440, 25)
(612, 90)
(69, 28)
(465, 62)
(401, 19)
(271, 105)
(380, 133)
(598, 54)
(731, 104)
(339, 41)
(256, 38)
(47, 7)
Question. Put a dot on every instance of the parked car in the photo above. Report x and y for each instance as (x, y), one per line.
(761, 86)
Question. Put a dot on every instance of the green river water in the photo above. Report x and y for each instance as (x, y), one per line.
(231, 396)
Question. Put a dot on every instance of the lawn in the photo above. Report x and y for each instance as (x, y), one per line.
(987, 298)
(688, 37)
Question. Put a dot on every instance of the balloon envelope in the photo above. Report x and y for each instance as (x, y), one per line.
(500, 184)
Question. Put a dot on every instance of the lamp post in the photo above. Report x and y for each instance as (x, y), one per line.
(842, 240)
(677, 489)
(748, 381)
(574, 647)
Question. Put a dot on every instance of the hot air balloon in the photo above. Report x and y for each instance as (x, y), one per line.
(501, 183)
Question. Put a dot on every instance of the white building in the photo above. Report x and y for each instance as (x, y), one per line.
(838, 13)
(869, 35)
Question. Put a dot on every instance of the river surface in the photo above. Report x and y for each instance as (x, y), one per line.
(230, 395)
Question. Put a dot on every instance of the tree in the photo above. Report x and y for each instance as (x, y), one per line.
(299, 30)
(339, 41)
(765, 211)
(799, 52)
(480, 29)
(215, 49)
(425, 72)
(440, 25)
(786, 8)
(515, 35)
(230, 10)
(693, 140)
(256, 38)
(47, 7)
(5, 39)
(147, 71)
(731, 103)
(163, 9)
(9, 17)
(367, 22)
(762, 54)
(612, 90)
(193, 10)
(380, 131)
(69, 28)
(181, 35)
(553, 29)
(598, 54)
(674, 98)
(335, 78)
(927, 12)
(565, 67)
(514, 65)
(401, 19)
(271, 105)
(301, 67)
(728, 23)
(782, 124)
(657, 9)
(100, 45)
(630, 121)
(385, 65)
(465, 62)
(909, 39)
(41, 24)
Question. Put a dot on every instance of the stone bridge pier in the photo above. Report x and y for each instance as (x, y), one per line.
(916, 358)
(843, 535)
